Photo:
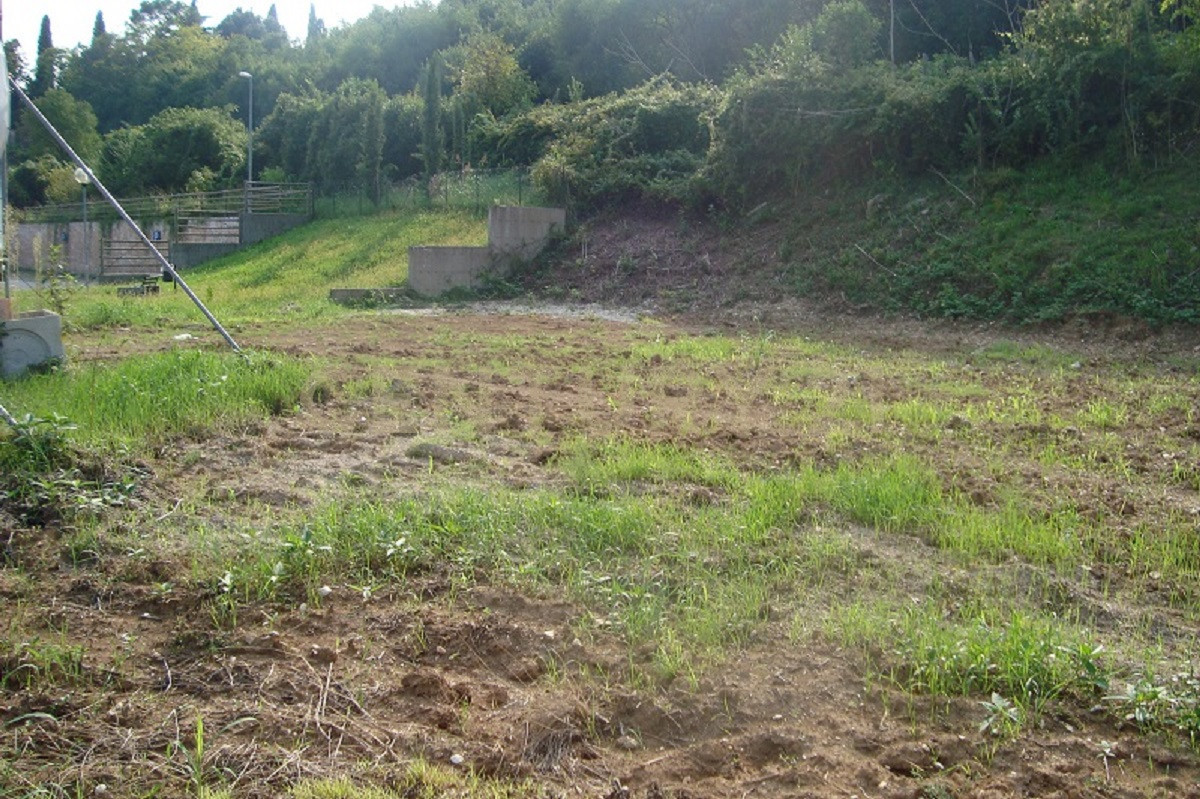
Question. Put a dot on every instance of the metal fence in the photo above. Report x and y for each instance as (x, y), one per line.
(255, 197)
(473, 190)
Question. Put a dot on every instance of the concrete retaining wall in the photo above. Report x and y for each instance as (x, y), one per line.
(520, 232)
(436, 270)
(257, 227)
(184, 256)
(34, 240)
(514, 233)
(78, 247)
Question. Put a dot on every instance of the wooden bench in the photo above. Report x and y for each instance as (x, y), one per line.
(149, 285)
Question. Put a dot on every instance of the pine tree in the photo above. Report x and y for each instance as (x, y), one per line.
(98, 29)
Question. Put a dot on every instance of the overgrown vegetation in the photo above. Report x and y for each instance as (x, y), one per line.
(1057, 135)
(1044, 243)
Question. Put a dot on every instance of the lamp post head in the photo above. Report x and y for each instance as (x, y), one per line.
(244, 74)
(81, 177)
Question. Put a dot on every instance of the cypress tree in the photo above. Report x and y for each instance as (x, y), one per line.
(431, 121)
(316, 28)
(44, 69)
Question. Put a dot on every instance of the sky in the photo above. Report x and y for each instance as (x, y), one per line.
(71, 20)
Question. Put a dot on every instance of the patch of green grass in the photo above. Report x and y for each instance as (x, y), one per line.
(920, 414)
(696, 578)
(598, 467)
(287, 279)
(1012, 252)
(32, 660)
(1023, 656)
(135, 402)
(420, 780)
(1031, 354)
(1104, 414)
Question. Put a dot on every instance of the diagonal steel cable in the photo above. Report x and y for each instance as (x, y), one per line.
(166, 265)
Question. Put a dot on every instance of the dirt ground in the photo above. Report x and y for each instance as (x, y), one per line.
(483, 677)
(486, 678)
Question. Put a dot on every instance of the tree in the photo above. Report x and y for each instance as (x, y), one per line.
(179, 149)
(961, 27)
(389, 46)
(402, 146)
(316, 27)
(266, 30)
(98, 29)
(844, 34)
(73, 119)
(161, 18)
(432, 135)
(491, 79)
(16, 70)
(45, 68)
(241, 23)
(276, 37)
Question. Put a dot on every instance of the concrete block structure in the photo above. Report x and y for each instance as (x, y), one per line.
(33, 338)
(436, 270)
(517, 232)
(514, 234)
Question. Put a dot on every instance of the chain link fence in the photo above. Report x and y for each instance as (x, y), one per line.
(472, 190)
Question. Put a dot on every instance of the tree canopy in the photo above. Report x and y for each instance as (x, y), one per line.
(785, 91)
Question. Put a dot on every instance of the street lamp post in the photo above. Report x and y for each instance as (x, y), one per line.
(249, 128)
(83, 180)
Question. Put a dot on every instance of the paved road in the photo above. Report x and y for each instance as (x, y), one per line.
(19, 281)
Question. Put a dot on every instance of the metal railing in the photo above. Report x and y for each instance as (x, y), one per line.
(469, 189)
(255, 197)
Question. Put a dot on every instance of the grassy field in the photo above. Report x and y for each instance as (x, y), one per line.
(287, 280)
(387, 540)
(1048, 243)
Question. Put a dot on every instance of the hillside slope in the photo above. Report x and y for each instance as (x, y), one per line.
(1045, 245)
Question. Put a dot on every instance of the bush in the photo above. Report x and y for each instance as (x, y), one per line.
(648, 142)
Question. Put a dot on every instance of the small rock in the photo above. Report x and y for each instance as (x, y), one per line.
(429, 684)
(438, 454)
(527, 670)
(322, 654)
(628, 743)
(457, 759)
